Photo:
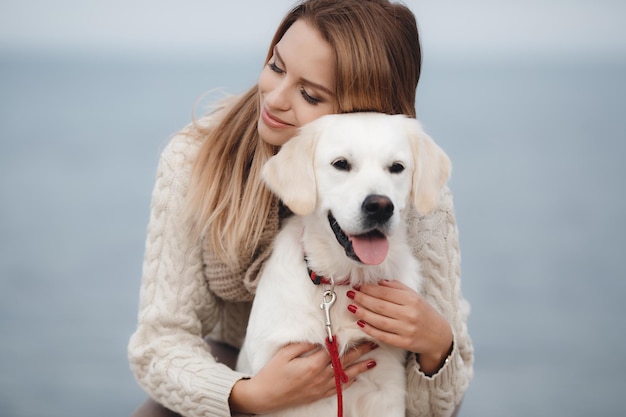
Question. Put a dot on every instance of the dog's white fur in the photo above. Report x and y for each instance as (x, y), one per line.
(287, 304)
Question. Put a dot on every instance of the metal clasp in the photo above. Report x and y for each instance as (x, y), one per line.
(328, 299)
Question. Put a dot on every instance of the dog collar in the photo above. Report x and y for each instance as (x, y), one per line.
(317, 279)
(320, 279)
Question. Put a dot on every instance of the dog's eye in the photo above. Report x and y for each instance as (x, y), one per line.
(341, 164)
(396, 168)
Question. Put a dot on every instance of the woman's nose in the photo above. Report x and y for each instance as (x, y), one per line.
(278, 97)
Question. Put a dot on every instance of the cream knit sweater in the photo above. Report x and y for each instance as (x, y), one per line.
(187, 294)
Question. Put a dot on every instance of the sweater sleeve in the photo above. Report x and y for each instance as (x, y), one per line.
(167, 352)
(436, 244)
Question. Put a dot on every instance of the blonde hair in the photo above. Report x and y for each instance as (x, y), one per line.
(378, 57)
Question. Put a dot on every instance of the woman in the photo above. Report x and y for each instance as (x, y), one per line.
(213, 221)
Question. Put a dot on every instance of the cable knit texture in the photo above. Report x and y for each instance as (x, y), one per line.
(187, 293)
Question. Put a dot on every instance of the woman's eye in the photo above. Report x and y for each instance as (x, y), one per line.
(341, 164)
(275, 67)
(309, 98)
(396, 168)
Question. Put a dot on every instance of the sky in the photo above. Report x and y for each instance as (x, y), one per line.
(447, 26)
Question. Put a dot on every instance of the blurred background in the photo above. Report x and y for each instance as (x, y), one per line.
(527, 97)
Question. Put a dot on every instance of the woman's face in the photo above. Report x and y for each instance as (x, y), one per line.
(297, 85)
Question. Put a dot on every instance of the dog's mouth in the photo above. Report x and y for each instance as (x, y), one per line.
(369, 248)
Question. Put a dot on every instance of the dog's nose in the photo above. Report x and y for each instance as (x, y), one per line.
(378, 207)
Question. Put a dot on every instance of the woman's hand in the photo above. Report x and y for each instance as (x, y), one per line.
(395, 314)
(299, 373)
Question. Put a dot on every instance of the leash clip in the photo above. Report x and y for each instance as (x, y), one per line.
(328, 299)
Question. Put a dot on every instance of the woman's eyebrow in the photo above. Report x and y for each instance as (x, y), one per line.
(303, 80)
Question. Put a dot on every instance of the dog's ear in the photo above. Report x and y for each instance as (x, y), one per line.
(432, 169)
(290, 174)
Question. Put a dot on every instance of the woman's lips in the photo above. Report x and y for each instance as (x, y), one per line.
(273, 121)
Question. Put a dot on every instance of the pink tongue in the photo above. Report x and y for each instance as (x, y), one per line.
(371, 250)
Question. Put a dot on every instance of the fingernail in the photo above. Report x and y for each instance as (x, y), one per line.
(361, 323)
(357, 287)
(370, 364)
(374, 345)
(352, 308)
(350, 294)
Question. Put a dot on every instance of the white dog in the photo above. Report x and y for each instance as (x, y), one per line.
(349, 179)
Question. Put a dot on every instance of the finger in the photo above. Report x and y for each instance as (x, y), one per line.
(391, 291)
(357, 368)
(380, 321)
(403, 320)
(353, 354)
(344, 386)
(394, 284)
(348, 384)
(296, 350)
(332, 391)
(365, 302)
(369, 293)
(390, 338)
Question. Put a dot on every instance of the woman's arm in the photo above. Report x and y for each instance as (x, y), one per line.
(167, 352)
(437, 247)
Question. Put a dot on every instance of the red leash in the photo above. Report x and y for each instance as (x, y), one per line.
(328, 299)
(340, 375)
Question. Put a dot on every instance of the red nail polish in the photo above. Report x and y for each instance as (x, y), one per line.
(370, 364)
(352, 308)
(357, 287)
(361, 323)
(350, 294)
(374, 345)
